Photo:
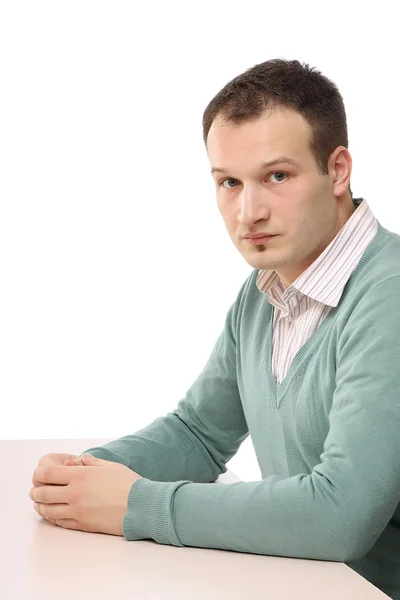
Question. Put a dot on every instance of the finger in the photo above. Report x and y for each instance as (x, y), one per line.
(65, 523)
(55, 511)
(37, 509)
(45, 517)
(56, 475)
(69, 462)
(52, 521)
(69, 524)
(50, 494)
(34, 482)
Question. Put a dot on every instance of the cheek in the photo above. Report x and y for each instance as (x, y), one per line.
(230, 220)
(227, 216)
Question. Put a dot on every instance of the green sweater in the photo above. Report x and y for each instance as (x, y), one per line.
(327, 439)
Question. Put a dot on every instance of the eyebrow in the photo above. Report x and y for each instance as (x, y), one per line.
(264, 165)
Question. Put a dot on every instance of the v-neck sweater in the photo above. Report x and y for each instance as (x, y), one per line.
(300, 308)
(326, 439)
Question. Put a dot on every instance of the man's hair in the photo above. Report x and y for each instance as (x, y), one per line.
(280, 83)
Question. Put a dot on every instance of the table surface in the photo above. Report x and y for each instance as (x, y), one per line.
(42, 561)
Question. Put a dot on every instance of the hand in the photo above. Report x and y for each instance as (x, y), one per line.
(92, 498)
(57, 459)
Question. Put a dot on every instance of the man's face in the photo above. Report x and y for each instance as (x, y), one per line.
(293, 202)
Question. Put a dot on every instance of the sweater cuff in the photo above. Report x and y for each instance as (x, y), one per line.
(150, 511)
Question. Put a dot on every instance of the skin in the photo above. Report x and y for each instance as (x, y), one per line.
(306, 209)
(92, 497)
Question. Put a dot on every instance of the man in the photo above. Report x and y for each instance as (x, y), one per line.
(307, 363)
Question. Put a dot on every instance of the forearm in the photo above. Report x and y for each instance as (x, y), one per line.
(166, 450)
(294, 517)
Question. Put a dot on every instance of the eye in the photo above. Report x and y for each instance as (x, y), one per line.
(232, 179)
(227, 179)
(280, 173)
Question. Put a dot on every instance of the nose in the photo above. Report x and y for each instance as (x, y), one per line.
(253, 207)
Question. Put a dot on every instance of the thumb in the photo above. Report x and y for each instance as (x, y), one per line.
(72, 462)
(88, 459)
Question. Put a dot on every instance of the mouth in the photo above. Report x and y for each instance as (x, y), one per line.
(260, 241)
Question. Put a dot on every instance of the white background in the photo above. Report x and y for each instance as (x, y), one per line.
(103, 326)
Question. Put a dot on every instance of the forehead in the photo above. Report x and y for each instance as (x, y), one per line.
(280, 132)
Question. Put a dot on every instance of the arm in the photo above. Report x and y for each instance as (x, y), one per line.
(336, 512)
(201, 435)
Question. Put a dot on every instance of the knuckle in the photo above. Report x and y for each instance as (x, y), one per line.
(45, 473)
(45, 460)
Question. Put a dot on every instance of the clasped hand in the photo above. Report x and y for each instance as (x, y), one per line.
(92, 498)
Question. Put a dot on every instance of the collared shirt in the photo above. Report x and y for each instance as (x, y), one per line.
(300, 309)
(326, 439)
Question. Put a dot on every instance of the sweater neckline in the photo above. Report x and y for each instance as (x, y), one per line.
(279, 390)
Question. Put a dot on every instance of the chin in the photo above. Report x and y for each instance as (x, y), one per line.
(257, 262)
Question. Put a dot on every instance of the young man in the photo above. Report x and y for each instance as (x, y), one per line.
(307, 363)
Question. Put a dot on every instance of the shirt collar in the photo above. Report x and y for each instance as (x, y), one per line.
(324, 280)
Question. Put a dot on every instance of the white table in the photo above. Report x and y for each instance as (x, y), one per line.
(42, 561)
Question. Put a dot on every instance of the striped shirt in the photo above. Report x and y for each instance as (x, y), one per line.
(300, 309)
(326, 439)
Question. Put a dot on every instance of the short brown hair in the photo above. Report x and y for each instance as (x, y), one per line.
(285, 83)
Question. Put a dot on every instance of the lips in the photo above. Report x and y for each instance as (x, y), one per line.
(258, 236)
(259, 241)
